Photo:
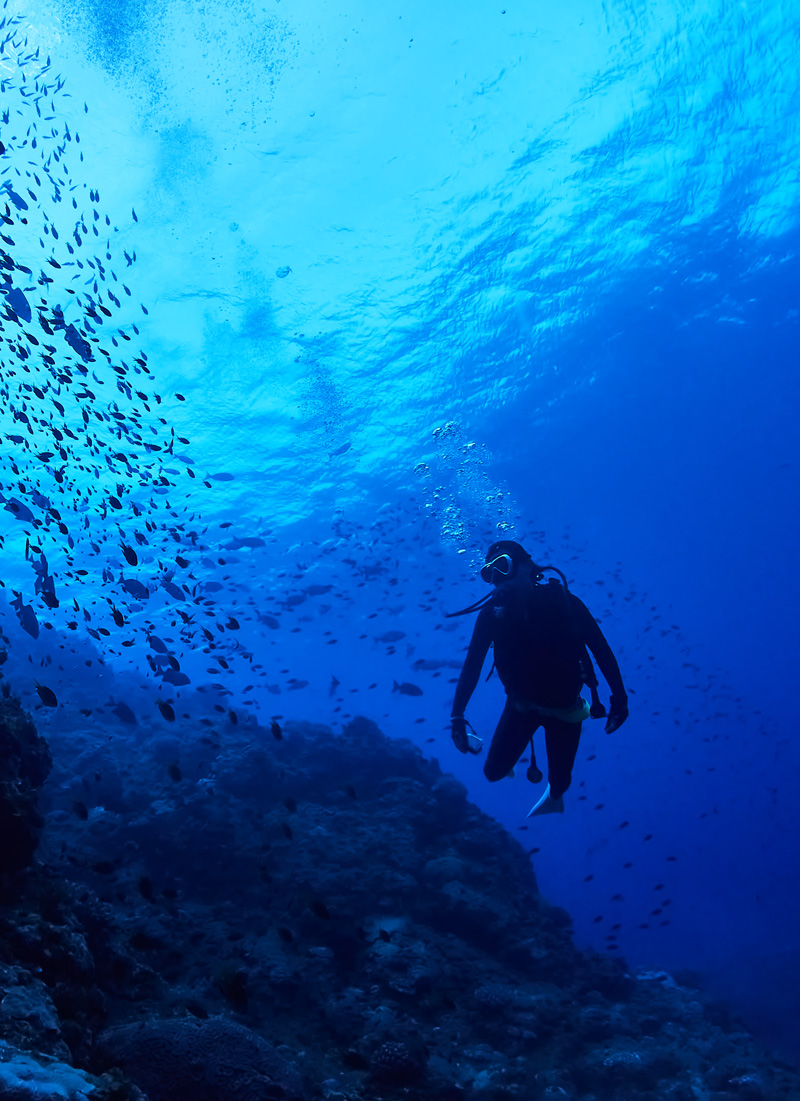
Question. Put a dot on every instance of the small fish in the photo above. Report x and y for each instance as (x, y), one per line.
(25, 615)
(318, 907)
(46, 695)
(167, 711)
(171, 677)
(146, 887)
(290, 804)
(136, 589)
(407, 689)
(286, 935)
(287, 829)
(80, 810)
(175, 773)
(351, 791)
(124, 713)
(275, 730)
(384, 936)
(391, 636)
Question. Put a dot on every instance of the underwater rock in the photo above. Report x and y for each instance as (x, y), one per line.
(24, 764)
(451, 796)
(212, 1060)
(395, 1064)
(621, 1068)
(30, 1004)
(311, 895)
(26, 1078)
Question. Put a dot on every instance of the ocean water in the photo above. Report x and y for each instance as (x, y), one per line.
(305, 304)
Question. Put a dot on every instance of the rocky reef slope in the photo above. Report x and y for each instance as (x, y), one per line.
(248, 913)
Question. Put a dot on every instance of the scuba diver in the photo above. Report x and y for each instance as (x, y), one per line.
(540, 633)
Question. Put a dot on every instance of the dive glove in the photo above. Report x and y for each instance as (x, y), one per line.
(458, 732)
(617, 713)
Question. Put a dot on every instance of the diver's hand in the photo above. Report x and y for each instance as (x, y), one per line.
(458, 732)
(617, 713)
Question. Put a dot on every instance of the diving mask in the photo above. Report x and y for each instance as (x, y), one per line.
(498, 569)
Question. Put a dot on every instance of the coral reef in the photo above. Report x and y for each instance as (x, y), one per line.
(205, 1060)
(325, 915)
(23, 1078)
(24, 764)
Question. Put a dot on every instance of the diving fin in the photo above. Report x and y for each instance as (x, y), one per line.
(546, 805)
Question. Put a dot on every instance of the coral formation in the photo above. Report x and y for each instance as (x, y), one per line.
(204, 1060)
(24, 764)
(326, 915)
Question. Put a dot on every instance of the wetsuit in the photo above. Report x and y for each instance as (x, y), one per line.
(539, 642)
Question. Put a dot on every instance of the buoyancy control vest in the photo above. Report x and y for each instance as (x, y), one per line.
(538, 650)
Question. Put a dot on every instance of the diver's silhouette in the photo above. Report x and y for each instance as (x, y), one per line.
(541, 634)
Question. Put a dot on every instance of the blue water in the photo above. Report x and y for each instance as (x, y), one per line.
(422, 274)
